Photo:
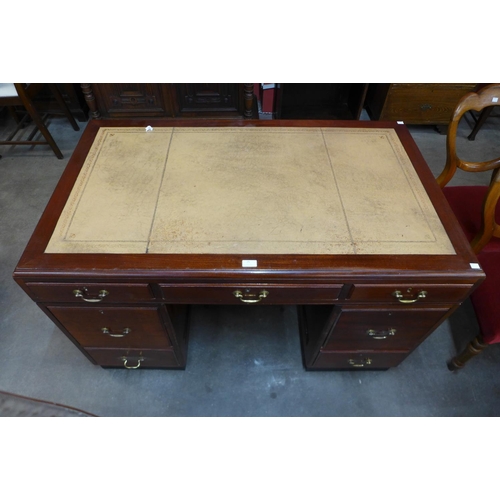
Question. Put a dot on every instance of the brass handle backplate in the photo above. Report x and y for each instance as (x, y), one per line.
(421, 295)
(250, 298)
(381, 335)
(360, 363)
(82, 295)
(107, 331)
(125, 360)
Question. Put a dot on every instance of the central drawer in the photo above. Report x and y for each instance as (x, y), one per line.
(118, 327)
(250, 294)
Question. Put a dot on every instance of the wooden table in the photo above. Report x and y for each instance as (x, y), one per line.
(342, 219)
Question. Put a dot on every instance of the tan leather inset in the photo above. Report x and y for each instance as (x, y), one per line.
(280, 190)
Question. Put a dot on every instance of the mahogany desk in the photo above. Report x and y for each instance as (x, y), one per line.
(342, 219)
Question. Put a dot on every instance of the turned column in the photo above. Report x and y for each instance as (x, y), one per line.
(248, 98)
(90, 100)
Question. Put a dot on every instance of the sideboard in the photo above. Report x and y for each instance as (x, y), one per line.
(415, 103)
(343, 220)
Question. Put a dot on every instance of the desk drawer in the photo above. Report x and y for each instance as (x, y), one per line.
(91, 292)
(411, 293)
(124, 327)
(389, 329)
(134, 358)
(255, 294)
(356, 360)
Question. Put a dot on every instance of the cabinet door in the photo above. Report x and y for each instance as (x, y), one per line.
(208, 99)
(132, 100)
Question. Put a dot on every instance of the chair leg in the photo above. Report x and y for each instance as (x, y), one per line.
(63, 105)
(474, 347)
(482, 118)
(30, 108)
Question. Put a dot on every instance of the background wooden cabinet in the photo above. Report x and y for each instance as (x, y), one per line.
(415, 103)
(169, 100)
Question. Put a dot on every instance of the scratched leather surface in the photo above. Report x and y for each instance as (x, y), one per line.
(277, 190)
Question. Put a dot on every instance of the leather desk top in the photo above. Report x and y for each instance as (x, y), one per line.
(230, 190)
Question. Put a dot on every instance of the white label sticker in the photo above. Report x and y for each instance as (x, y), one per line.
(473, 265)
(248, 263)
(401, 123)
(495, 99)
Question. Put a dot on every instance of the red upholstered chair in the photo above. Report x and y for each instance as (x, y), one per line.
(477, 209)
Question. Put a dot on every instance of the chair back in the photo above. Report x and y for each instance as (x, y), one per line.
(486, 97)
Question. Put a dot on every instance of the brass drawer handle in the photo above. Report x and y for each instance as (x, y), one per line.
(244, 298)
(421, 295)
(81, 295)
(357, 363)
(381, 335)
(107, 331)
(124, 359)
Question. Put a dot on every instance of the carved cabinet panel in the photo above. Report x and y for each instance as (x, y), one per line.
(193, 98)
(168, 100)
(117, 100)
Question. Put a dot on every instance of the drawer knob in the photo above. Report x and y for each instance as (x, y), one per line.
(360, 363)
(82, 295)
(125, 360)
(425, 107)
(421, 295)
(107, 331)
(381, 335)
(248, 298)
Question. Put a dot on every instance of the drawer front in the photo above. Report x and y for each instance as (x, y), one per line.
(134, 358)
(423, 103)
(91, 293)
(390, 329)
(244, 294)
(355, 360)
(406, 294)
(123, 327)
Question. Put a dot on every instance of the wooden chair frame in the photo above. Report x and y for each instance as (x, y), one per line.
(24, 97)
(477, 102)
(487, 97)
